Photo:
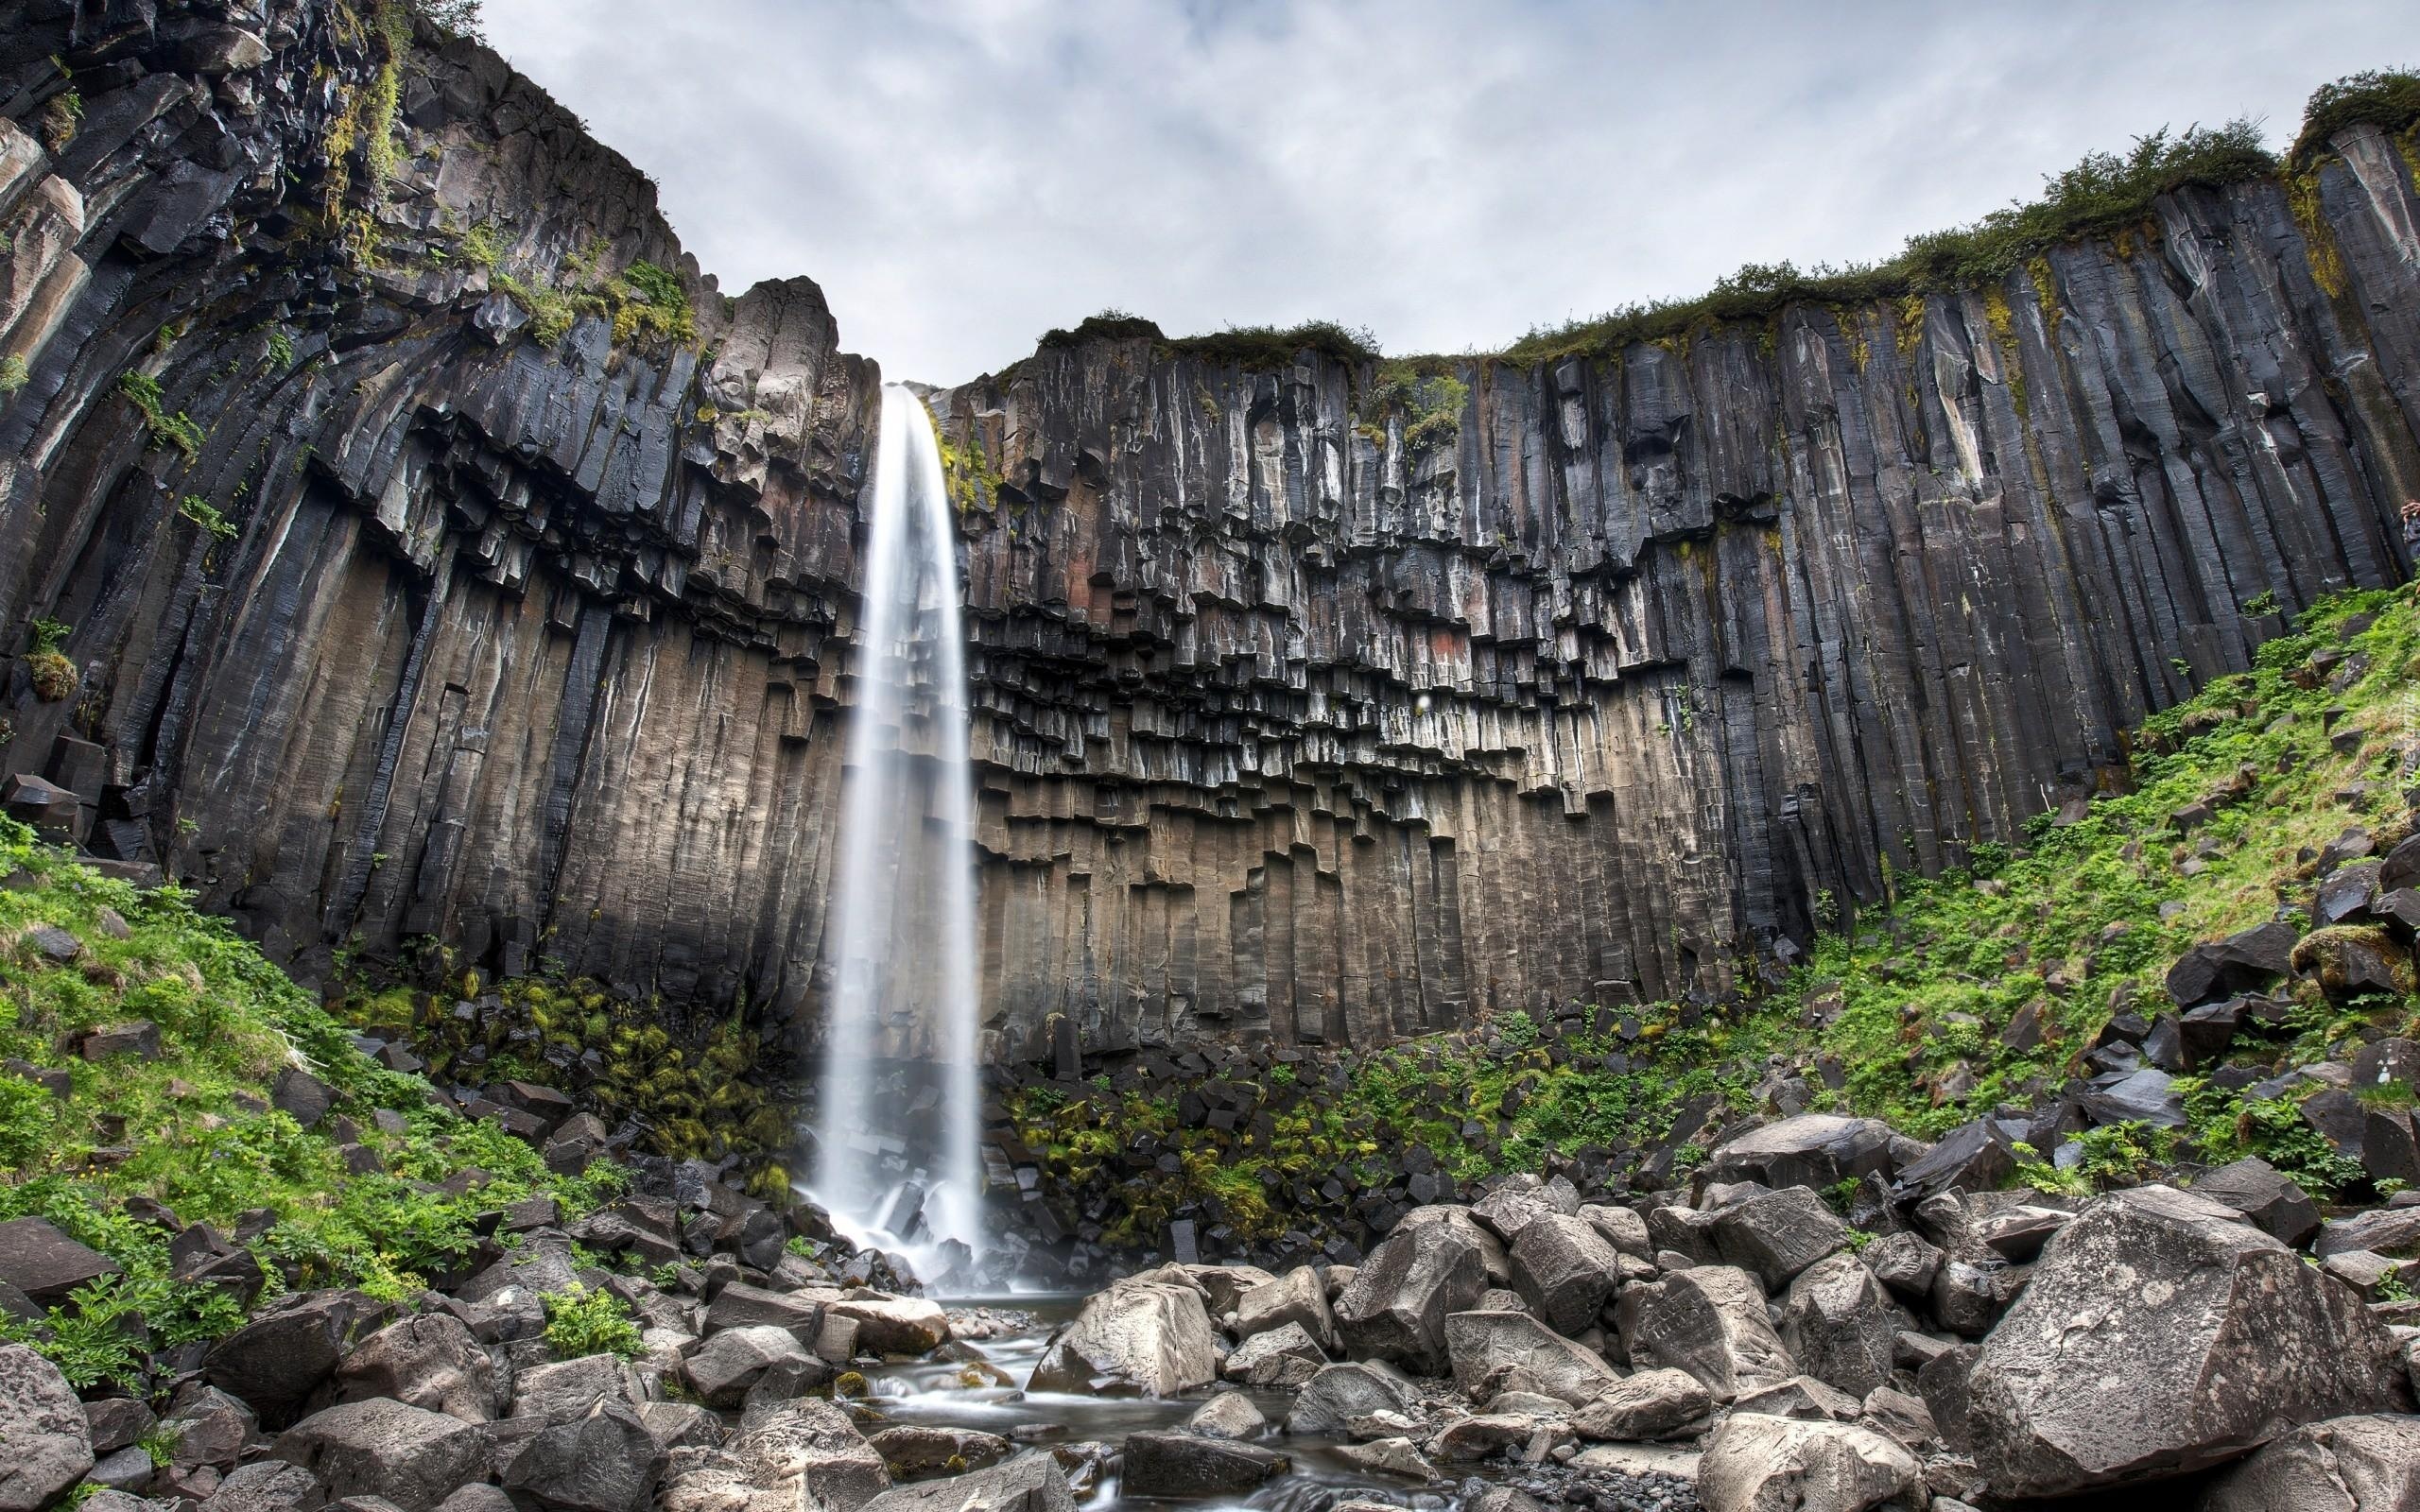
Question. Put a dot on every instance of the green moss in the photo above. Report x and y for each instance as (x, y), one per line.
(203, 513)
(178, 430)
(13, 375)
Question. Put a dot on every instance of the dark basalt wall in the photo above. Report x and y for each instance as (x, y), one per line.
(1287, 724)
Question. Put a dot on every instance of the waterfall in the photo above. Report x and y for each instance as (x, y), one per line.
(897, 1162)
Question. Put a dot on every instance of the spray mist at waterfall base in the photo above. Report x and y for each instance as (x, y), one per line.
(899, 1104)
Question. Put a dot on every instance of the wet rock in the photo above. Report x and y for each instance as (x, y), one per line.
(2270, 1199)
(1282, 1357)
(1774, 1235)
(429, 1360)
(1189, 1465)
(1390, 1456)
(1759, 1463)
(1227, 1415)
(1710, 1322)
(48, 1443)
(1839, 1326)
(605, 1461)
(1396, 1307)
(895, 1325)
(920, 1452)
(1137, 1336)
(1485, 1349)
(1646, 1404)
(412, 1457)
(1342, 1392)
(1032, 1481)
(2204, 1335)
(1298, 1298)
(2364, 1464)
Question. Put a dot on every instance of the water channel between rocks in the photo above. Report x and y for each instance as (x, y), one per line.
(933, 1393)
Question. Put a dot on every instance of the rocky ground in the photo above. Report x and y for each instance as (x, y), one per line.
(1744, 1349)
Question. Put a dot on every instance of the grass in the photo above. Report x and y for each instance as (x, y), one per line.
(179, 430)
(192, 1129)
(647, 304)
(1255, 347)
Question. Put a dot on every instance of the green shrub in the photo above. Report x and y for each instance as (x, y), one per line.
(13, 374)
(2382, 97)
(580, 1321)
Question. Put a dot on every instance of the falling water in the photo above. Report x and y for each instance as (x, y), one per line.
(893, 1170)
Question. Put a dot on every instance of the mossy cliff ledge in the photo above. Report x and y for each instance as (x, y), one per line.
(416, 551)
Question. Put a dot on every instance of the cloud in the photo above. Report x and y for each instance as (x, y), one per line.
(960, 175)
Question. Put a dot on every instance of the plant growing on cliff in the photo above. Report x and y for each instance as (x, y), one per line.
(2387, 99)
(54, 675)
(201, 511)
(178, 430)
(13, 374)
(584, 1322)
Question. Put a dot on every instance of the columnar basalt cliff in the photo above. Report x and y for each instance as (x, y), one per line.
(447, 560)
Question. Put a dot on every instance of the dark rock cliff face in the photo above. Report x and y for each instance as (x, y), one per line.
(528, 628)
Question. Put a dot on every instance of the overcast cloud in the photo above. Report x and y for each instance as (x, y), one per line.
(960, 175)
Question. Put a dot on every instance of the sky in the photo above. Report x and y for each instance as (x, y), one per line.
(962, 175)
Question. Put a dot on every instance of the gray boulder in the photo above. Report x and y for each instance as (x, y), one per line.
(1396, 1305)
(1755, 1462)
(604, 1462)
(1774, 1235)
(1340, 1393)
(1285, 1356)
(409, 1455)
(924, 1452)
(1620, 1227)
(275, 1361)
(2366, 1464)
(1140, 1336)
(1189, 1465)
(739, 1305)
(1906, 1263)
(1491, 1249)
(561, 1390)
(1299, 1298)
(44, 1263)
(47, 1441)
(1484, 1347)
(1646, 1404)
(1032, 1481)
(2394, 1231)
(1710, 1321)
(736, 1359)
(1838, 1325)
(270, 1486)
(680, 1425)
(429, 1360)
(1227, 1415)
(895, 1325)
(1810, 1150)
(2203, 1337)
(1565, 1269)
(802, 1456)
(2265, 1195)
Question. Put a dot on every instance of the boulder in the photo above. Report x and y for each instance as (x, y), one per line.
(1755, 1462)
(2242, 962)
(606, 1461)
(1968, 1298)
(48, 1443)
(802, 1455)
(1189, 1465)
(1839, 1326)
(2364, 1464)
(1284, 1357)
(895, 1325)
(1906, 1263)
(1032, 1481)
(1646, 1404)
(1223, 1286)
(739, 1305)
(921, 1451)
(1476, 1437)
(2017, 1231)
(680, 1425)
(411, 1456)
(561, 1390)
(1810, 1150)
(736, 1359)
(275, 1361)
(1900, 1417)
(1396, 1305)
(1491, 1249)
(1299, 1298)
(1390, 1456)
(1227, 1415)
(1975, 1156)
(1802, 1396)
(1139, 1335)
(1509, 1209)
(1483, 1347)
(1710, 1321)
(1565, 1269)
(1947, 1381)
(45, 1264)
(2265, 1195)
(1620, 1227)
(429, 1360)
(2382, 1231)
(273, 1485)
(1774, 1235)
(1342, 1392)
(2203, 1336)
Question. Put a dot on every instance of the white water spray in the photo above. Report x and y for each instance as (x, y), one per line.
(901, 932)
